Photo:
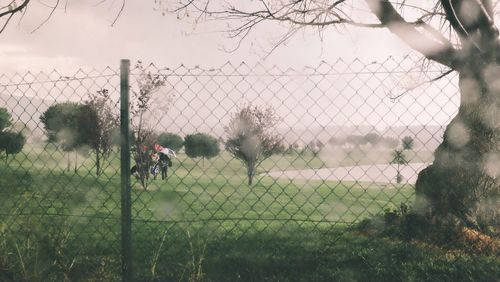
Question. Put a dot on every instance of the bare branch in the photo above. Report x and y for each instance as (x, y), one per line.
(6, 23)
(16, 9)
(119, 13)
(47, 18)
(422, 83)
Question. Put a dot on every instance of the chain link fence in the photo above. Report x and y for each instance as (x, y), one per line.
(329, 146)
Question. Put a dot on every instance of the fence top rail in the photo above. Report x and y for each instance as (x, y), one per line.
(405, 65)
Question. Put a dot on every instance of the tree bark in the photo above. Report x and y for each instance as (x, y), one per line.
(462, 186)
(250, 174)
(97, 163)
(76, 161)
(68, 165)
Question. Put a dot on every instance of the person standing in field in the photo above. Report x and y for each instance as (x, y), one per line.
(164, 159)
(155, 163)
(165, 162)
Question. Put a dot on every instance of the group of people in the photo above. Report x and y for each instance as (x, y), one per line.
(159, 160)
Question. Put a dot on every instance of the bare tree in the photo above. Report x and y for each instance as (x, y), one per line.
(145, 104)
(97, 123)
(459, 34)
(251, 137)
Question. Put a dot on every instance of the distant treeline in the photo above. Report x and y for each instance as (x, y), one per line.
(353, 140)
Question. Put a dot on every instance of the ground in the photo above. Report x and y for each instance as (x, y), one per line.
(205, 223)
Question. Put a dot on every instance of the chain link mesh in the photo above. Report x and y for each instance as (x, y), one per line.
(340, 125)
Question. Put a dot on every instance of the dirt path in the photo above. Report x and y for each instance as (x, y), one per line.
(384, 173)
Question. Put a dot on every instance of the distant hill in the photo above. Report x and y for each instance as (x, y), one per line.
(324, 134)
(428, 135)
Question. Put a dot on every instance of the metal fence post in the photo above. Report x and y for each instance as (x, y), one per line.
(126, 214)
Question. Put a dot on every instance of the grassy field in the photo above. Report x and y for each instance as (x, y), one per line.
(205, 223)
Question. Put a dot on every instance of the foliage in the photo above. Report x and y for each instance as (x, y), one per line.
(373, 138)
(143, 105)
(251, 136)
(314, 147)
(5, 119)
(60, 124)
(460, 35)
(97, 124)
(201, 145)
(408, 142)
(170, 140)
(11, 142)
(399, 158)
(370, 138)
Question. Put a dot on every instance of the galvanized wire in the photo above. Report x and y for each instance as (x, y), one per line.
(331, 177)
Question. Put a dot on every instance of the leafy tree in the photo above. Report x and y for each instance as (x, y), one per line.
(372, 138)
(11, 143)
(96, 126)
(170, 140)
(462, 36)
(60, 122)
(12, 140)
(201, 145)
(5, 119)
(293, 148)
(315, 147)
(408, 143)
(251, 136)
(399, 158)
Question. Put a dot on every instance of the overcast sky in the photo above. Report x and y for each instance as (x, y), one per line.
(82, 36)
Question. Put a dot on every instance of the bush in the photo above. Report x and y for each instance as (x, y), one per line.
(170, 140)
(201, 145)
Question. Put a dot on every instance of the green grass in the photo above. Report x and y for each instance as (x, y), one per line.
(205, 220)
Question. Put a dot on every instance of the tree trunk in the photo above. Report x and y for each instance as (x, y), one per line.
(68, 166)
(76, 161)
(250, 175)
(398, 174)
(97, 163)
(461, 186)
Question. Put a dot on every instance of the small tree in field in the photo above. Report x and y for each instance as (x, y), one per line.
(5, 119)
(58, 118)
(145, 104)
(170, 140)
(60, 123)
(408, 143)
(251, 136)
(201, 145)
(399, 158)
(97, 123)
(11, 142)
